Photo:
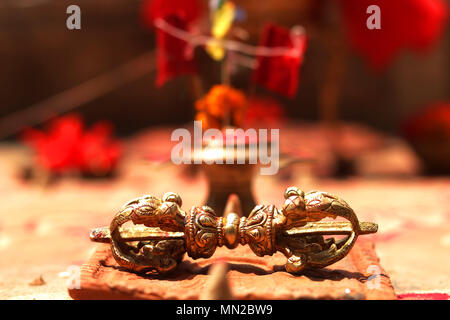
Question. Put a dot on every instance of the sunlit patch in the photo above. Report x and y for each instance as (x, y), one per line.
(43, 228)
(5, 241)
(445, 240)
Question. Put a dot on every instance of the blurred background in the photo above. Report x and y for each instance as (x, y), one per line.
(354, 114)
(40, 57)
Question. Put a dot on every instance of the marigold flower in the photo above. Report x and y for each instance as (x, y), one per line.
(222, 104)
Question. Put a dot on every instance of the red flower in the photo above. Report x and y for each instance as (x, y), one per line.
(174, 56)
(99, 153)
(405, 24)
(55, 150)
(280, 73)
(67, 146)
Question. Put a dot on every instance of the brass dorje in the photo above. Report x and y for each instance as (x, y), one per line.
(163, 232)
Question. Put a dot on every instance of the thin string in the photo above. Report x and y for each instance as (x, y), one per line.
(231, 45)
(79, 95)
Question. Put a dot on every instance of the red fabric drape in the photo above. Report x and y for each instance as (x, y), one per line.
(280, 73)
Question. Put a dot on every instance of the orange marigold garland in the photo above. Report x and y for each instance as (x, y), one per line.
(222, 106)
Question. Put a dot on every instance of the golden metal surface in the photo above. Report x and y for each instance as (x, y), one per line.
(163, 232)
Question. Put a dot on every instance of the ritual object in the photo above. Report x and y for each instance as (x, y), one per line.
(165, 232)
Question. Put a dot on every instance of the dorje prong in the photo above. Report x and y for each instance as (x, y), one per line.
(163, 232)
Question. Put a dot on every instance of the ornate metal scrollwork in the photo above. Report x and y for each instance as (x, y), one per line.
(297, 230)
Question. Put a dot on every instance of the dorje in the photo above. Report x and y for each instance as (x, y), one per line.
(163, 232)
